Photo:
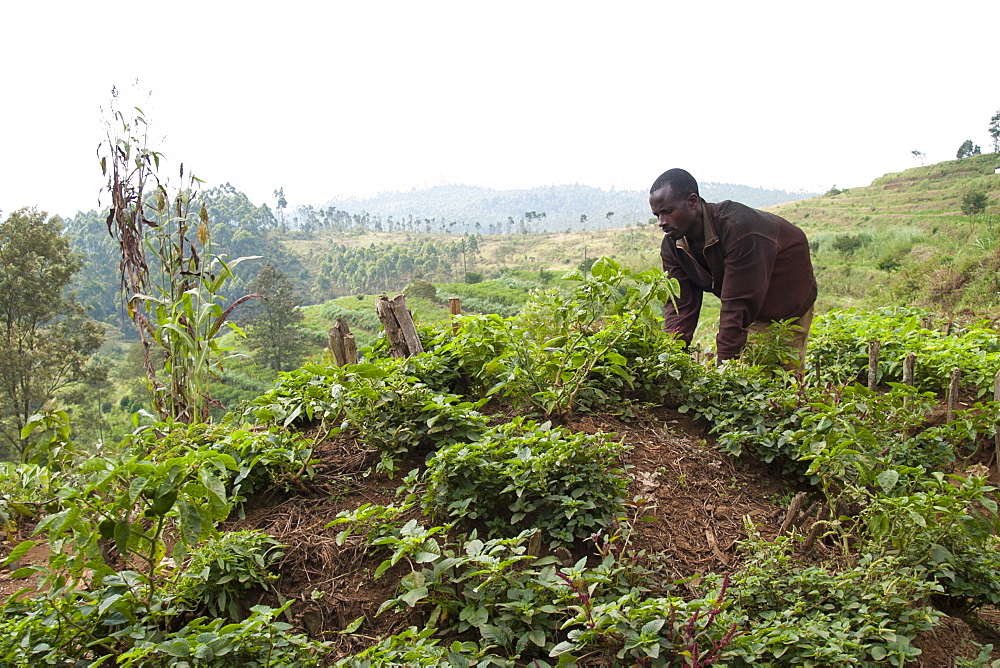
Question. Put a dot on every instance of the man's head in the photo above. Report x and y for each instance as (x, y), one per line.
(675, 202)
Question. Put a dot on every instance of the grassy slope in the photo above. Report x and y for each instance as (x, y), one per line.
(917, 247)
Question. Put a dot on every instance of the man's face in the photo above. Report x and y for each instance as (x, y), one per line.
(676, 214)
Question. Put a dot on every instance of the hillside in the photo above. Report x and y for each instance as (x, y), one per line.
(904, 239)
(566, 484)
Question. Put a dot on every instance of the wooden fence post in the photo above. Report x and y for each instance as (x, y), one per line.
(996, 397)
(398, 324)
(873, 348)
(908, 367)
(455, 308)
(342, 344)
(956, 376)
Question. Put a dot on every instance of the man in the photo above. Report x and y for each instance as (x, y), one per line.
(757, 263)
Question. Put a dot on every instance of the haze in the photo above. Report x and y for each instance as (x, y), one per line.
(339, 99)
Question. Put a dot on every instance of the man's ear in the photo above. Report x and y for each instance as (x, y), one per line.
(692, 199)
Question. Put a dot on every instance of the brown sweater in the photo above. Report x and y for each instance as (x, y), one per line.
(757, 263)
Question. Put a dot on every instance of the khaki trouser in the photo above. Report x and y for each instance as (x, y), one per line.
(798, 343)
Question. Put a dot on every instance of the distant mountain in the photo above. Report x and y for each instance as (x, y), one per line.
(504, 211)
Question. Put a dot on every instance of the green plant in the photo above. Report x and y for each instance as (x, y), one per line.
(942, 526)
(384, 403)
(567, 339)
(417, 647)
(263, 457)
(805, 614)
(128, 504)
(514, 601)
(180, 308)
(224, 568)
(651, 631)
(257, 642)
(522, 474)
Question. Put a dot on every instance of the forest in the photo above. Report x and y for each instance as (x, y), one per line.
(553, 481)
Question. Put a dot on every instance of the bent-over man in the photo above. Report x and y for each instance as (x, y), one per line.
(757, 263)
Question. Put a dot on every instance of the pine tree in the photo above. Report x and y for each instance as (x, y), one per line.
(272, 328)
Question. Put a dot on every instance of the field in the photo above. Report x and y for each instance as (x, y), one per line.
(554, 487)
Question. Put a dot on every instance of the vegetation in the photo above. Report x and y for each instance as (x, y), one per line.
(898, 527)
(46, 338)
(511, 538)
(273, 325)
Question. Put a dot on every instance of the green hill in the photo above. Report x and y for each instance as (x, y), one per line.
(904, 239)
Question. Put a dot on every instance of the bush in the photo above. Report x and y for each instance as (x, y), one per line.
(225, 568)
(523, 475)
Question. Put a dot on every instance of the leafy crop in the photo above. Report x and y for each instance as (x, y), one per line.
(816, 615)
(839, 345)
(522, 474)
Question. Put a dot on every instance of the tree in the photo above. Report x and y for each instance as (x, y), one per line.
(45, 334)
(919, 155)
(272, 328)
(968, 149)
(279, 204)
(974, 202)
(995, 131)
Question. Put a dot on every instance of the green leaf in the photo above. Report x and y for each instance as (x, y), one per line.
(355, 625)
(122, 533)
(653, 626)
(19, 551)
(411, 597)
(214, 486)
(887, 480)
(562, 648)
(179, 647)
(27, 571)
(162, 504)
(190, 521)
(940, 554)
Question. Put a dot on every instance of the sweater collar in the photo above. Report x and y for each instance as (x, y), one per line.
(708, 229)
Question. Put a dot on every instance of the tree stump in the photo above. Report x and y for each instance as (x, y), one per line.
(398, 324)
(342, 344)
(956, 376)
(996, 397)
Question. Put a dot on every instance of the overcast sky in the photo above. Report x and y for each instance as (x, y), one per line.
(330, 99)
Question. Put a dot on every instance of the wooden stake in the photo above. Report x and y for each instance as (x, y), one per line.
(873, 348)
(956, 375)
(996, 397)
(908, 366)
(455, 308)
(794, 508)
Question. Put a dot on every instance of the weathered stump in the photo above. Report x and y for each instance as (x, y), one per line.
(342, 344)
(398, 324)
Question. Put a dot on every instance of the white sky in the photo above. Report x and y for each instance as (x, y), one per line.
(332, 99)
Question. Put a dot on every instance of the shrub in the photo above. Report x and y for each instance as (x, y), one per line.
(523, 474)
(225, 568)
(823, 615)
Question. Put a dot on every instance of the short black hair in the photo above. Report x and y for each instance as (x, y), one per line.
(680, 181)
